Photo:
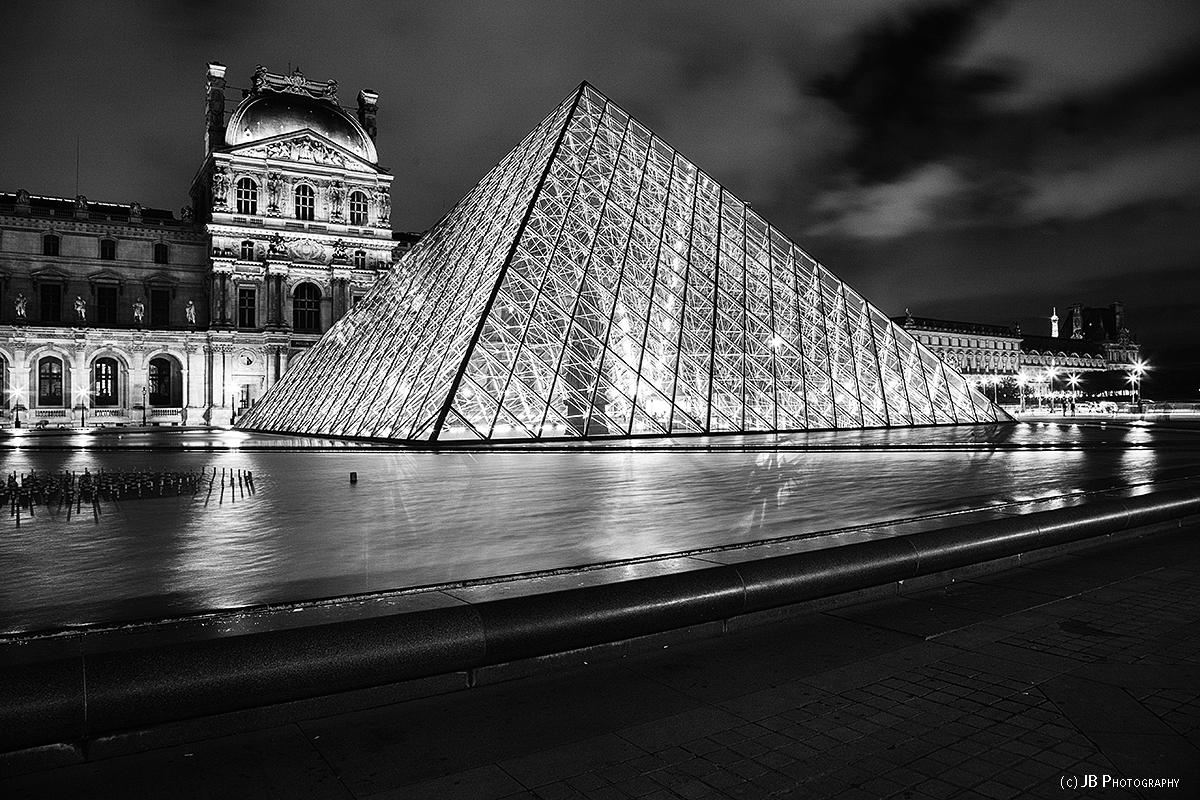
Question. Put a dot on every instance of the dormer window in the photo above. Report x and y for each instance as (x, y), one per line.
(108, 249)
(247, 196)
(50, 244)
(358, 208)
(305, 202)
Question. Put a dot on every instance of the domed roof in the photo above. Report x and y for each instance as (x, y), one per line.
(268, 114)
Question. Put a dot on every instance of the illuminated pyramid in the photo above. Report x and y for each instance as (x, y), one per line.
(596, 283)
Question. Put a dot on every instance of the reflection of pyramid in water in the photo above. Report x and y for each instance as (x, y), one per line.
(595, 283)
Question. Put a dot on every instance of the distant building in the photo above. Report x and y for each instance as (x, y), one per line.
(1098, 341)
(115, 313)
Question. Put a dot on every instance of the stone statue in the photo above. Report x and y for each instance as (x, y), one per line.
(190, 312)
(187, 214)
(221, 188)
(23, 197)
(339, 251)
(19, 305)
(80, 308)
(276, 246)
(139, 311)
(385, 206)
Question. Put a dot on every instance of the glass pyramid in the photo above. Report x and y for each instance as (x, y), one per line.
(597, 284)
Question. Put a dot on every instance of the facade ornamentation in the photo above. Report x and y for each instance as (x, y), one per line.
(204, 290)
(274, 186)
(221, 184)
(384, 203)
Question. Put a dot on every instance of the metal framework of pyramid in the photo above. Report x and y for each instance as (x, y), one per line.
(597, 284)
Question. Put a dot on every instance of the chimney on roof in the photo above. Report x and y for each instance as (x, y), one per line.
(214, 107)
(367, 106)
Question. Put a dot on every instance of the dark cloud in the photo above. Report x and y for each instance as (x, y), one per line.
(904, 94)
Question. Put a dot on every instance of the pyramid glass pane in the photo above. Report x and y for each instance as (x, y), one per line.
(596, 283)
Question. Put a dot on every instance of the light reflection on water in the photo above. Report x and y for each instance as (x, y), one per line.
(417, 518)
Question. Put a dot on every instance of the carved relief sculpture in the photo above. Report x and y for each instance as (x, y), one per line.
(220, 188)
(340, 252)
(337, 196)
(274, 185)
(276, 247)
(384, 201)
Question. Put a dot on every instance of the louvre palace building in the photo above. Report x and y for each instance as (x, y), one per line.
(116, 314)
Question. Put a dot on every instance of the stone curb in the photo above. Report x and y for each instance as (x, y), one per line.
(79, 697)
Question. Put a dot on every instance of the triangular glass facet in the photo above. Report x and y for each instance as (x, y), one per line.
(597, 284)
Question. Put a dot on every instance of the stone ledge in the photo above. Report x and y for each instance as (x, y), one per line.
(85, 704)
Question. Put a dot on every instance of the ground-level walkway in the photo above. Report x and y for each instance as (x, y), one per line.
(1077, 676)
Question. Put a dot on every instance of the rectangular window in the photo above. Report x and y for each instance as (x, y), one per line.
(51, 302)
(108, 249)
(246, 308)
(106, 305)
(160, 307)
(162, 254)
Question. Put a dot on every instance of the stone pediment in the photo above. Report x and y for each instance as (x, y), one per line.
(305, 147)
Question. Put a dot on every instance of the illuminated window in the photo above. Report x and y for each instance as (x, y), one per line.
(358, 208)
(104, 376)
(247, 196)
(50, 382)
(159, 382)
(306, 308)
(305, 202)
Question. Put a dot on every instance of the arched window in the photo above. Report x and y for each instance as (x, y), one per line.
(163, 383)
(247, 251)
(306, 308)
(104, 383)
(50, 244)
(360, 259)
(50, 382)
(358, 208)
(247, 196)
(305, 202)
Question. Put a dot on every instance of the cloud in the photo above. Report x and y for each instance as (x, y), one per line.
(1066, 48)
(1166, 171)
(914, 203)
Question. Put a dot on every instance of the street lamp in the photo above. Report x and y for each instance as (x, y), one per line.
(17, 409)
(1135, 379)
(145, 395)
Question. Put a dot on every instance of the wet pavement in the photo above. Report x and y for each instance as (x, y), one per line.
(421, 518)
(1076, 676)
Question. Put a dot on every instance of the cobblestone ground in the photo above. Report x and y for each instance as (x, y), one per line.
(1027, 683)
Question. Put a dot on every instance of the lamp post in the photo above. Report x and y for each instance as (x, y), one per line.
(17, 409)
(82, 409)
(145, 395)
(1135, 379)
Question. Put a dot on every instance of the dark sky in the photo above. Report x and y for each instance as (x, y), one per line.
(981, 161)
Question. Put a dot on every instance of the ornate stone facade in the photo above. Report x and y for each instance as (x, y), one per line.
(119, 314)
